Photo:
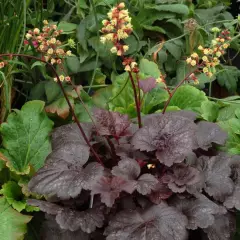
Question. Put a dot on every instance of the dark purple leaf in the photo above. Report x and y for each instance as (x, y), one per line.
(182, 176)
(160, 192)
(52, 231)
(87, 220)
(110, 188)
(65, 180)
(127, 168)
(159, 222)
(200, 211)
(71, 219)
(147, 84)
(173, 138)
(209, 133)
(111, 123)
(223, 228)
(146, 183)
(47, 207)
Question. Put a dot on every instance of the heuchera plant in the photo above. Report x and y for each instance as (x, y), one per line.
(160, 179)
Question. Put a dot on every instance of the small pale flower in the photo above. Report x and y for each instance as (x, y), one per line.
(109, 36)
(133, 64)
(105, 22)
(109, 28)
(119, 52)
(189, 60)
(218, 39)
(209, 74)
(53, 61)
(206, 51)
(59, 61)
(194, 55)
(50, 51)
(103, 40)
(28, 36)
(205, 58)
(36, 31)
(69, 53)
(114, 22)
(113, 50)
(225, 45)
(193, 63)
(125, 48)
(214, 42)
(121, 5)
(45, 22)
(218, 54)
(222, 40)
(53, 40)
(2, 65)
(68, 79)
(55, 79)
(61, 77)
(127, 68)
(200, 48)
(205, 70)
(159, 80)
(54, 27)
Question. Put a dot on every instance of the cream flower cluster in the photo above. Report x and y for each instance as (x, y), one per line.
(208, 58)
(117, 28)
(46, 43)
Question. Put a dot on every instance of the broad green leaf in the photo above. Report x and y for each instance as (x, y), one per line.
(73, 64)
(36, 64)
(233, 142)
(153, 28)
(175, 8)
(227, 112)
(149, 68)
(83, 112)
(229, 77)
(99, 77)
(169, 109)
(60, 107)
(102, 96)
(67, 27)
(13, 224)
(13, 194)
(209, 111)
(189, 98)
(174, 49)
(52, 91)
(154, 98)
(237, 113)
(26, 137)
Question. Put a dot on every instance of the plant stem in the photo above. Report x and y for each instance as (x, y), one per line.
(174, 90)
(136, 100)
(66, 97)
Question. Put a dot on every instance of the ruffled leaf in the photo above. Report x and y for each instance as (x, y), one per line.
(171, 136)
(146, 183)
(147, 84)
(200, 211)
(111, 123)
(157, 222)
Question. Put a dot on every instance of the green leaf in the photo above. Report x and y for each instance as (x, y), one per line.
(153, 28)
(227, 112)
(26, 137)
(175, 8)
(209, 111)
(73, 64)
(67, 27)
(13, 194)
(174, 49)
(37, 64)
(229, 77)
(153, 98)
(102, 96)
(81, 112)
(149, 68)
(189, 98)
(60, 107)
(52, 91)
(233, 142)
(237, 113)
(13, 224)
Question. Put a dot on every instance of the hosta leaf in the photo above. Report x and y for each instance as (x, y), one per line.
(189, 98)
(200, 211)
(60, 107)
(157, 222)
(171, 136)
(26, 137)
(70, 219)
(13, 224)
